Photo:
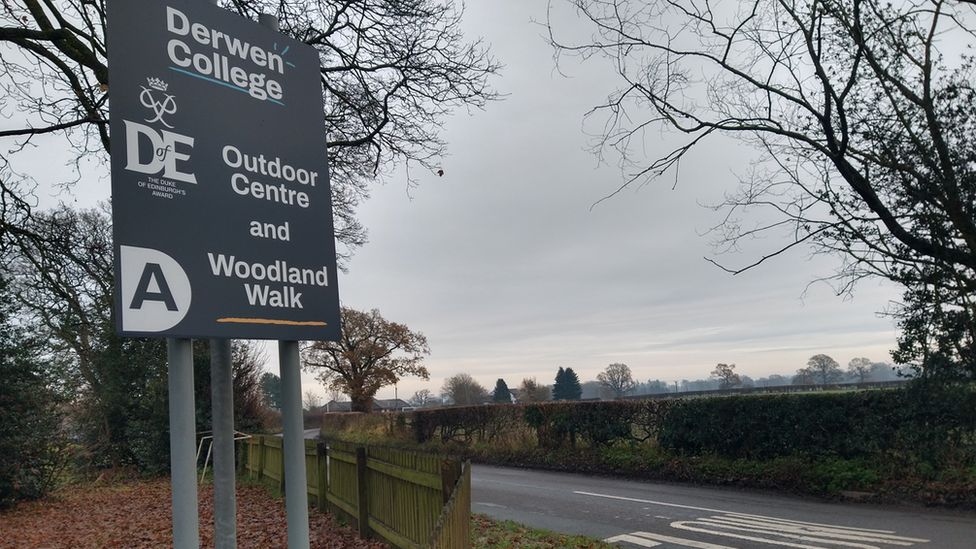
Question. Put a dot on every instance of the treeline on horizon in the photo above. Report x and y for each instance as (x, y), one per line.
(617, 381)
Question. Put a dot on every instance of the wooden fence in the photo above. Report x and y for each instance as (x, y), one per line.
(411, 500)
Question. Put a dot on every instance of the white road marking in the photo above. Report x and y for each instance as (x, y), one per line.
(810, 523)
(720, 526)
(683, 525)
(486, 504)
(654, 538)
(632, 539)
(705, 523)
(771, 530)
(839, 532)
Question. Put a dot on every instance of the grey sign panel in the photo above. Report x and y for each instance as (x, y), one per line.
(220, 189)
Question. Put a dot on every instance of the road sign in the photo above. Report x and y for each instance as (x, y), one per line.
(221, 202)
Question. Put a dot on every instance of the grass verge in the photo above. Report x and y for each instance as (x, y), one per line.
(487, 533)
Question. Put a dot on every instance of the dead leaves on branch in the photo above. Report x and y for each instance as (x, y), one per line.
(137, 515)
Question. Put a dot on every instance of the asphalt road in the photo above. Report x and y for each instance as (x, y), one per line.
(642, 514)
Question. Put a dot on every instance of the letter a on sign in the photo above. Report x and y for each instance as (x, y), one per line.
(155, 290)
(153, 274)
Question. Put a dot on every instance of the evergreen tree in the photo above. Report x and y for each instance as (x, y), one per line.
(501, 392)
(29, 416)
(559, 388)
(573, 389)
(271, 389)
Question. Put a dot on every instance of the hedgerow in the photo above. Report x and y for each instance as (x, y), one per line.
(919, 424)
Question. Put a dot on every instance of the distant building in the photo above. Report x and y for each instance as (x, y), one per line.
(379, 405)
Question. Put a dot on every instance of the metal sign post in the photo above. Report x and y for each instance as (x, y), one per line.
(224, 471)
(296, 498)
(182, 439)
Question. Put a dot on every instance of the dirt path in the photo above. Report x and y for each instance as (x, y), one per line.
(137, 514)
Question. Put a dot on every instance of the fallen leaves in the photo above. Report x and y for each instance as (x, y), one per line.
(137, 515)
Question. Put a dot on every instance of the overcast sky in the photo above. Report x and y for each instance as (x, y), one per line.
(507, 270)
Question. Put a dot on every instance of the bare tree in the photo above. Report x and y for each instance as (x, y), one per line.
(311, 400)
(617, 379)
(725, 374)
(532, 391)
(335, 394)
(464, 390)
(859, 369)
(421, 398)
(390, 72)
(371, 353)
(863, 114)
(822, 370)
(62, 267)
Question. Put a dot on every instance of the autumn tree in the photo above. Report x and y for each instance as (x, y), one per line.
(531, 390)
(822, 370)
(464, 390)
(501, 392)
(371, 353)
(725, 374)
(862, 114)
(390, 74)
(617, 379)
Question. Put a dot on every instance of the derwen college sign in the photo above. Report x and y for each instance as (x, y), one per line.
(221, 203)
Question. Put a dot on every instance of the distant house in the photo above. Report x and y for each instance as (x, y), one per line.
(379, 405)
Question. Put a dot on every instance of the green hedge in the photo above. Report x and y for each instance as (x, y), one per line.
(555, 424)
(929, 424)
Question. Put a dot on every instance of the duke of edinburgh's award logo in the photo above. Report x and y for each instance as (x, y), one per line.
(158, 101)
(164, 152)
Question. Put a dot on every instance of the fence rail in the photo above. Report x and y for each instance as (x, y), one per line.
(411, 500)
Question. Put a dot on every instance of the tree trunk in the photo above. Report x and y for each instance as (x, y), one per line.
(361, 403)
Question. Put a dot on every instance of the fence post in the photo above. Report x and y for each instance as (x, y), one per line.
(281, 470)
(321, 462)
(260, 457)
(249, 460)
(362, 501)
(450, 473)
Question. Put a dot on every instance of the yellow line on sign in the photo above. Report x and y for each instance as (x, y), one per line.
(235, 320)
